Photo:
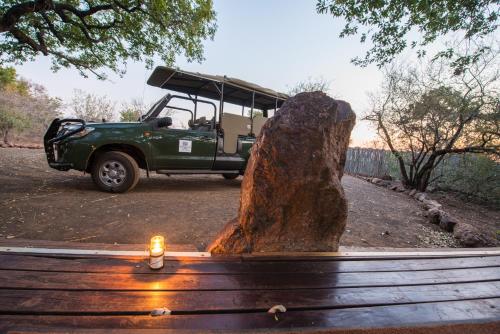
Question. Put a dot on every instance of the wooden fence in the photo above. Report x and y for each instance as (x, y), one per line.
(470, 174)
(367, 162)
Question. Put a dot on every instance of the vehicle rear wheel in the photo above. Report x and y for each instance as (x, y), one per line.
(228, 176)
(115, 171)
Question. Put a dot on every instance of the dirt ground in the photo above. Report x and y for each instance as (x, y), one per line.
(37, 202)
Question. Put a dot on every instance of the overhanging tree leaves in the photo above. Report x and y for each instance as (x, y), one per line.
(390, 24)
(95, 34)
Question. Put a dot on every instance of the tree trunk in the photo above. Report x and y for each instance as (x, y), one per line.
(5, 136)
(407, 182)
(423, 176)
(422, 182)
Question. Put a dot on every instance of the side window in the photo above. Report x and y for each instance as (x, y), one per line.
(181, 112)
(180, 118)
(186, 115)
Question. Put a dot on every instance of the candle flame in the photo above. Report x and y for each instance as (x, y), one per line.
(157, 246)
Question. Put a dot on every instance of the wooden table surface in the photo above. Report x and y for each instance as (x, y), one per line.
(60, 292)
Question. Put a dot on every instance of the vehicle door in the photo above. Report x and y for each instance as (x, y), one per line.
(182, 148)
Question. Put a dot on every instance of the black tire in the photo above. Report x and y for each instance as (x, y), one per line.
(228, 176)
(115, 172)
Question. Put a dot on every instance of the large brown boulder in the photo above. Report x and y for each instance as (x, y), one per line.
(470, 236)
(291, 196)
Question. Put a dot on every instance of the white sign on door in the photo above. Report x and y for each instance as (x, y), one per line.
(185, 146)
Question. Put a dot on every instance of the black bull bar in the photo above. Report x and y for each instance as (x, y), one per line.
(53, 136)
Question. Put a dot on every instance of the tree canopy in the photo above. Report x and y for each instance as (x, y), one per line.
(423, 115)
(310, 85)
(389, 26)
(91, 107)
(95, 34)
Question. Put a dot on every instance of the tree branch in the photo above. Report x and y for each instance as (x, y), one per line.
(51, 27)
(25, 39)
(14, 13)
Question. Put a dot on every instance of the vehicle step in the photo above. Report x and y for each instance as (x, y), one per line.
(196, 171)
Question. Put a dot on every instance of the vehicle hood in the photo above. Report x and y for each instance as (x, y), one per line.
(117, 125)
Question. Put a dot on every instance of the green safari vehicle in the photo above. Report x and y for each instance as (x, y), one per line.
(114, 153)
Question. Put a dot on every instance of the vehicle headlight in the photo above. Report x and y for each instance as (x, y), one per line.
(83, 133)
(72, 127)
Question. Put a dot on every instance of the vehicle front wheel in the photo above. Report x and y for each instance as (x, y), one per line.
(115, 171)
(228, 176)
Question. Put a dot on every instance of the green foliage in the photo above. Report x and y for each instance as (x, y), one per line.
(96, 34)
(9, 81)
(474, 175)
(7, 76)
(129, 115)
(255, 113)
(132, 111)
(390, 24)
(11, 119)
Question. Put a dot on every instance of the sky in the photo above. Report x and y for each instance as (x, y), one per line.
(271, 43)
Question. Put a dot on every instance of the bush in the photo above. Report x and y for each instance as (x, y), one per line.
(474, 175)
(25, 108)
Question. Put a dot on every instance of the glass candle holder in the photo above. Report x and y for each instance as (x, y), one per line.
(156, 252)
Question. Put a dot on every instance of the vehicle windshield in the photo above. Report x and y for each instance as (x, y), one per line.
(153, 108)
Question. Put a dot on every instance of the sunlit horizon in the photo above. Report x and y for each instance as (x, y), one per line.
(276, 53)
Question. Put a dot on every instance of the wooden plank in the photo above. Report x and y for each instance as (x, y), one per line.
(429, 314)
(90, 245)
(207, 266)
(350, 249)
(478, 327)
(94, 252)
(282, 257)
(430, 254)
(303, 256)
(105, 281)
(142, 302)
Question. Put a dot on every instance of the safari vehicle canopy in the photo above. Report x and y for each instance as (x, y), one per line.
(223, 89)
(217, 87)
(113, 152)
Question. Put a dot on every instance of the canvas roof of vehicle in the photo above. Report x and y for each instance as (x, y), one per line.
(236, 91)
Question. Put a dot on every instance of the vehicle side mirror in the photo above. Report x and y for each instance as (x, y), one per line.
(164, 122)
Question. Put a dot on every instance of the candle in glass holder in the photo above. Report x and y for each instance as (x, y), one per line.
(156, 252)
